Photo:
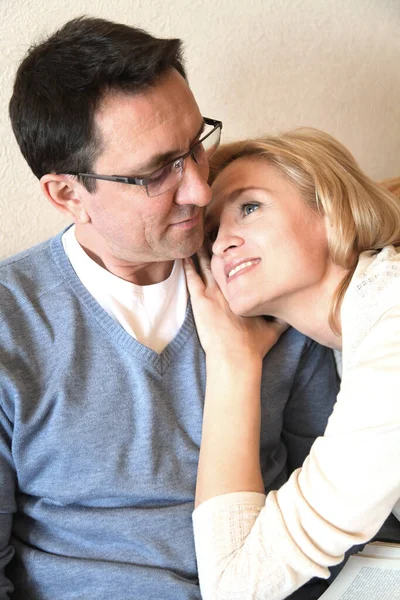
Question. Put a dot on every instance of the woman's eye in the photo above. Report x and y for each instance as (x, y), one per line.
(249, 208)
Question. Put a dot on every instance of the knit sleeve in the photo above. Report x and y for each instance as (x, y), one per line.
(340, 497)
(244, 550)
(7, 497)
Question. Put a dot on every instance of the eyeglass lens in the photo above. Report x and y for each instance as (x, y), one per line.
(167, 177)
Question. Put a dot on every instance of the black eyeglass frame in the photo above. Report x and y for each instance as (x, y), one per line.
(144, 181)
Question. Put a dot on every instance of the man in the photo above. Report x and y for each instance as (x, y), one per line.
(102, 374)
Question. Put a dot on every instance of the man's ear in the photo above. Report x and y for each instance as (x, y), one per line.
(64, 194)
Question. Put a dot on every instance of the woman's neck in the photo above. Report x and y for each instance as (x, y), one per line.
(309, 310)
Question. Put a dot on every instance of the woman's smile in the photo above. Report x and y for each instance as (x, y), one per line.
(235, 268)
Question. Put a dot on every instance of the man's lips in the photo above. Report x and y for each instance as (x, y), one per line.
(238, 266)
(187, 223)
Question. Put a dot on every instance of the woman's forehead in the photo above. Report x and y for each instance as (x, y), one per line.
(240, 176)
(226, 184)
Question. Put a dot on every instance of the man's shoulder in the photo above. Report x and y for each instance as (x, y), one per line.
(28, 275)
(291, 346)
(297, 356)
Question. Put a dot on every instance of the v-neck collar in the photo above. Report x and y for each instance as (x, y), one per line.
(160, 362)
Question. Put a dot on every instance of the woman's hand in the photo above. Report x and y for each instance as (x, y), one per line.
(235, 346)
(221, 332)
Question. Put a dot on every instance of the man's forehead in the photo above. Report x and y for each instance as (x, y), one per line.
(169, 102)
(150, 123)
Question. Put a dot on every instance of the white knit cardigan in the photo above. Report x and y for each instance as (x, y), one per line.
(254, 547)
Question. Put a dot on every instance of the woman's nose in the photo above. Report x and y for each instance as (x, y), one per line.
(224, 241)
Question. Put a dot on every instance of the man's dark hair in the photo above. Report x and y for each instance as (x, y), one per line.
(61, 81)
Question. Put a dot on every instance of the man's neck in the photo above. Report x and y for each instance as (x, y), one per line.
(140, 273)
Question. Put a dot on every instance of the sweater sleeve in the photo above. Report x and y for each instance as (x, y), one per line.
(311, 402)
(7, 500)
(340, 497)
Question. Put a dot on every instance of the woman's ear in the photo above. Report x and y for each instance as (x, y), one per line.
(64, 194)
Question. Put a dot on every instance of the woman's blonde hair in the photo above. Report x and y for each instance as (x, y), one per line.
(361, 214)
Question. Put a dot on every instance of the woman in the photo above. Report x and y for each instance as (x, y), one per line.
(297, 232)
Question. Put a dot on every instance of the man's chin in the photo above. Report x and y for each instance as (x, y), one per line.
(190, 247)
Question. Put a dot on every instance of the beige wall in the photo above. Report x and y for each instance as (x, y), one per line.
(259, 65)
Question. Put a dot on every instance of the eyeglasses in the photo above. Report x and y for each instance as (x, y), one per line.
(169, 175)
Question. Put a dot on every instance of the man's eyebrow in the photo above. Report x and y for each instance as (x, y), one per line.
(158, 160)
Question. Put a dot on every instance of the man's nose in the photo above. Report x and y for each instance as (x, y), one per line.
(193, 188)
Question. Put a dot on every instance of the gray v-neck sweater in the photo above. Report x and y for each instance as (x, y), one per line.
(100, 436)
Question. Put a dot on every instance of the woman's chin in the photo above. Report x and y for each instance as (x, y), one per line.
(244, 307)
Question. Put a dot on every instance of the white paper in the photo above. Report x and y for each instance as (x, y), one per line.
(381, 550)
(364, 578)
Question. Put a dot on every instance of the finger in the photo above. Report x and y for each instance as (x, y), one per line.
(194, 281)
(205, 267)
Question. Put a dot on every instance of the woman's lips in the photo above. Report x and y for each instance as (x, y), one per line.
(233, 269)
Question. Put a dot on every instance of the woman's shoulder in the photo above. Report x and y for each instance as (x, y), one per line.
(377, 277)
(373, 290)
(381, 264)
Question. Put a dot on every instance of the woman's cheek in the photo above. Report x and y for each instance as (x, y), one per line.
(217, 270)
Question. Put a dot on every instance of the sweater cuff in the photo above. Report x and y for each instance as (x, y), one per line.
(224, 501)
